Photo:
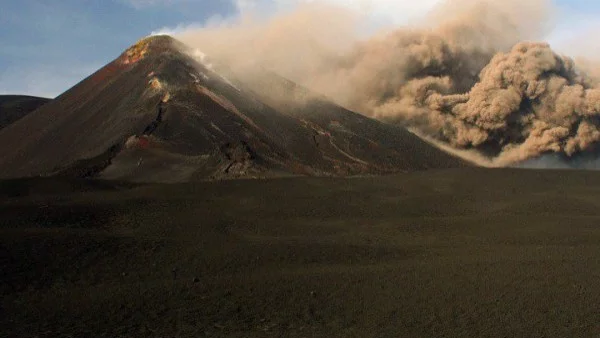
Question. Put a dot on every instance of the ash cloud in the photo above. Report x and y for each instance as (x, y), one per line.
(469, 77)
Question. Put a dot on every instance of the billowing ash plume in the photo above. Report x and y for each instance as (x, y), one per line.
(468, 82)
(526, 102)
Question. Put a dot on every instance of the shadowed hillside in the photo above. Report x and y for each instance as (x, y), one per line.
(15, 107)
(158, 114)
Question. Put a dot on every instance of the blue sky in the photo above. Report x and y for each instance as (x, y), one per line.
(48, 46)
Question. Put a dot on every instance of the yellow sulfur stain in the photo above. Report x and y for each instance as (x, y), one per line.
(155, 84)
(136, 52)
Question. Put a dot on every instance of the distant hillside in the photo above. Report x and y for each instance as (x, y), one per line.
(15, 107)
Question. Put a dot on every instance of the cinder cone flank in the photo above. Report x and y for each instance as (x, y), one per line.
(157, 113)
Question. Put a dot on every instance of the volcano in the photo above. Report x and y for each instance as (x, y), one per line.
(159, 114)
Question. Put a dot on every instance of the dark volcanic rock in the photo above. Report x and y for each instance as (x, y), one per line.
(158, 114)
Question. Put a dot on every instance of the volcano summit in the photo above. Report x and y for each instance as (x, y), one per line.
(159, 113)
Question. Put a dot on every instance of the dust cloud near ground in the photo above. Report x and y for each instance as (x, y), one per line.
(470, 76)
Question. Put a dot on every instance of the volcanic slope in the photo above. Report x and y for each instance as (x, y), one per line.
(15, 107)
(158, 113)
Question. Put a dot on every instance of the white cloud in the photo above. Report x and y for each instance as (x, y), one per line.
(150, 3)
(577, 37)
(376, 13)
(574, 34)
(386, 11)
(396, 11)
(176, 30)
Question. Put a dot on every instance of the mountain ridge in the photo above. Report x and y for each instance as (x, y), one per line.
(156, 113)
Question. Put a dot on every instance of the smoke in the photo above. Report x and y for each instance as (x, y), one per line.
(466, 78)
